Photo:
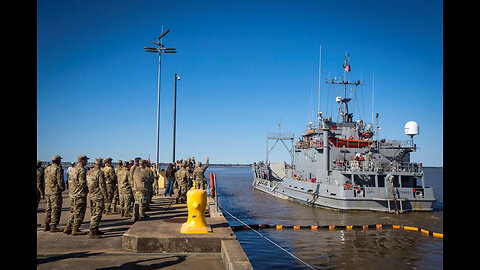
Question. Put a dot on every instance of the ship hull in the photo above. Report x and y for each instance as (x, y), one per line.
(336, 197)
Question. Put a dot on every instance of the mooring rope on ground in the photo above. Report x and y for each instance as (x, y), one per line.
(333, 227)
(266, 238)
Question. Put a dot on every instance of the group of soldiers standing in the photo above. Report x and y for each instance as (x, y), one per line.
(132, 184)
(185, 173)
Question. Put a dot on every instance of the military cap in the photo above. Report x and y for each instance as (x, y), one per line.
(98, 161)
(55, 158)
(119, 161)
(137, 159)
(125, 163)
(107, 159)
(82, 157)
(131, 161)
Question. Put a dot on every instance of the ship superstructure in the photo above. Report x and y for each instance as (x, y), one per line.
(341, 165)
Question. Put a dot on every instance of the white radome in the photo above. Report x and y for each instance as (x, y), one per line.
(411, 128)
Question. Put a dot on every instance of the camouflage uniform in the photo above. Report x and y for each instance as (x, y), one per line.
(199, 177)
(156, 178)
(130, 175)
(97, 192)
(140, 179)
(116, 196)
(190, 173)
(77, 181)
(181, 176)
(54, 185)
(149, 193)
(111, 182)
(124, 189)
(40, 183)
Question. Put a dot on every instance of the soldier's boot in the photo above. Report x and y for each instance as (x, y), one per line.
(114, 210)
(55, 229)
(77, 231)
(98, 232)
(127, 214)
(142, 213)
(46, 228)
(122, 213)
(92, 234)
(176, 200)
(68, 228)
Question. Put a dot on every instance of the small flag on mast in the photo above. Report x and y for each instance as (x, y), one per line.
(149, 159)
(347, 68)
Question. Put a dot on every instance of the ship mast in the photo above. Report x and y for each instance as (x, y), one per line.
(343, 109)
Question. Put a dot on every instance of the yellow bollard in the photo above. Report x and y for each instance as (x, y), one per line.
(196, 204)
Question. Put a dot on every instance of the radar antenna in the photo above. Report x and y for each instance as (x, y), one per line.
(343, 102)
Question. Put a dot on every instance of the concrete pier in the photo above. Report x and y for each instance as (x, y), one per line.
(153, 243)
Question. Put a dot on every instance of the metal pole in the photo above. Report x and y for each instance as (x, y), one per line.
(158, 99)
(319, 75)
(174, 117)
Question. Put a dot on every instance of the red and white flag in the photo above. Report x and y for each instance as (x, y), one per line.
(347, 68)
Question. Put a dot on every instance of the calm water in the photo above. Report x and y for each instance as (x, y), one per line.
(324, 249)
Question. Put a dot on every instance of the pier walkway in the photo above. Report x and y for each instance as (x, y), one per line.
(116, 251)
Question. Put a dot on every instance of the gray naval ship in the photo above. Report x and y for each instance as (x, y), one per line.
(341, 165)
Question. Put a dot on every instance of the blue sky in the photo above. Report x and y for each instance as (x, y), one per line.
(243, 65)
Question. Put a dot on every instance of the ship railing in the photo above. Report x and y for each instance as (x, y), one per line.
(366, 165)
(308, 144)
(262, 172)
(395, 144)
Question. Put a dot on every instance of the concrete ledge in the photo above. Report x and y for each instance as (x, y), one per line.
(212, 210)
(163, 235)
(233, 256)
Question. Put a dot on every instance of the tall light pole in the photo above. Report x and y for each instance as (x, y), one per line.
(159, 50)
(174, 116)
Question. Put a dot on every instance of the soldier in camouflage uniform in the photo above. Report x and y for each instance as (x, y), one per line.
(97, 193)
(77, 181)
(199, 177)
(54, 185)
(140, 179)
(155, 179)
(190, 168)
(135, 165)
(149, 193)
(124, 189)
(116, 196)
(40, 185)
(111, 182)
(181, 176)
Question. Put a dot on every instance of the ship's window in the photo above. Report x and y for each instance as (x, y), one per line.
(409, 181)
(381, 181)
